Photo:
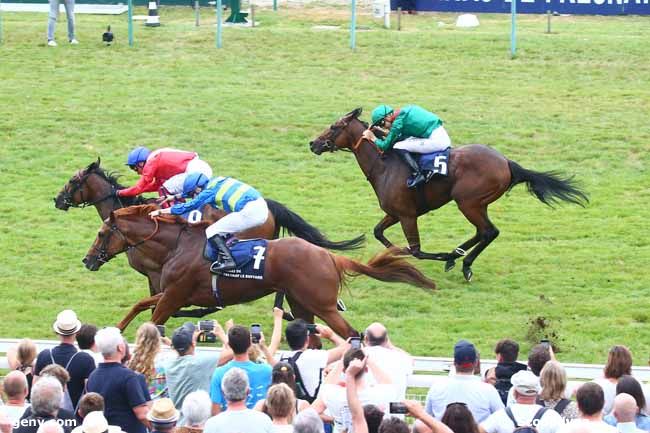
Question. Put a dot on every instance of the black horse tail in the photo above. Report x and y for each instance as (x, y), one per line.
(295, 225)
(549, 187)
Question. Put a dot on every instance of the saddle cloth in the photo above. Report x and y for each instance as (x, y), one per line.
(249, 255)
(435, 162)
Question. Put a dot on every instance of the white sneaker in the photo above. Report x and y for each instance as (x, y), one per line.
(51, 43)
(74, 42)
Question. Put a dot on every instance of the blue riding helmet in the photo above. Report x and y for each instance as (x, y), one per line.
(137, 155)
(192, 181)
(380, 112)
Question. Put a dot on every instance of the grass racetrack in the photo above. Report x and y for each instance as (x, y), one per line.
(576, 101)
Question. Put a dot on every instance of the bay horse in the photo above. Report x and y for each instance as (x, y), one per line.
(477, 176)
(93, 186)
(303, 270)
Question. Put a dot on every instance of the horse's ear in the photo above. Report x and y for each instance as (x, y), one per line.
(354, 113)
(111, 217)
(93, 165)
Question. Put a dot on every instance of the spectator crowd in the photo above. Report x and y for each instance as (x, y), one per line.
(92, 383)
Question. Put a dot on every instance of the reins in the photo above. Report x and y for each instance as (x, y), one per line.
(103, 255)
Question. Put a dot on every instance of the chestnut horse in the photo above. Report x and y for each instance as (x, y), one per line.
(93, 186)
(303, 270)
(477, 176)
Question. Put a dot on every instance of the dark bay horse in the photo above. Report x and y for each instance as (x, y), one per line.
(93, 186)
(478, 175)
(303, 270)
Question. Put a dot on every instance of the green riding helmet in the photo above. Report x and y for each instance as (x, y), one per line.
(381, 112)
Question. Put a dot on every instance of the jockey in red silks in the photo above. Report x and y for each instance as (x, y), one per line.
(162, 170)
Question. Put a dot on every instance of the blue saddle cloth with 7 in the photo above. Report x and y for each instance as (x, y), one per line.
(435, 162)
(249, 255)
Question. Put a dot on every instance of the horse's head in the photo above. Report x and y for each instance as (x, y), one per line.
(110, 242)
(340, 135)
(82, 188)
(123, 230)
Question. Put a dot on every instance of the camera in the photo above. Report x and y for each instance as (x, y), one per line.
(355, 343)
(397, 408)
(205, 332)
(311, 327)
(256, 332)
(545, 343)
(161, 330)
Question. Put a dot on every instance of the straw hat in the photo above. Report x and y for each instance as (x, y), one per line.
(163, 412)
(66, 323)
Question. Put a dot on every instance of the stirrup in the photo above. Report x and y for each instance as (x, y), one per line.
(416, 181)
(226, 265)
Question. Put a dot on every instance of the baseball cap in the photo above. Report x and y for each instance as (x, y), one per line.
(464, 353)
(525, 382)
(183, 337)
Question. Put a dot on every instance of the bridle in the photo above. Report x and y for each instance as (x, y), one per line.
(337, 130)
(76, 185)
(104, 257)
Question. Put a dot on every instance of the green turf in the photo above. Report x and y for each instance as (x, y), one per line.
(575, 101)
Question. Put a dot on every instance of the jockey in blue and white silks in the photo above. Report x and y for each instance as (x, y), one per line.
(245, 207)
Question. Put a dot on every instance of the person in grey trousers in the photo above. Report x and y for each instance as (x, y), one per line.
(51, 23)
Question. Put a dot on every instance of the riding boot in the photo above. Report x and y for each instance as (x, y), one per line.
(227, 263)
(417, 178)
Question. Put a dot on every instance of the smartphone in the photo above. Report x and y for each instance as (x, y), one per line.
(161, 330)
(355, 343)
(397, 408)
(256, 332)
(311, 327)
(206, 325)
(545, 343)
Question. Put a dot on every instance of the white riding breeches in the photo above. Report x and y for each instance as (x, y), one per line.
(438, 140)
(175, 183)
(253, 214)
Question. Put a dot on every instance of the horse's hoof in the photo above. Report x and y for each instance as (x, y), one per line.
(467, 272)
(451, 264)
(288, 316)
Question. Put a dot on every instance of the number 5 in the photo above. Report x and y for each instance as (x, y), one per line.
(440, 165)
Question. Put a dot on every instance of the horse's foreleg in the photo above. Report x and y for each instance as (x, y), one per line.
(386, 222)
(139, 307)
(166, 306)
(412, 234)
(486, 232)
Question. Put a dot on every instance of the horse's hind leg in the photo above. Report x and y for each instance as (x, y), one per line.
(412, 234)
(139, 307)
(338, 324)
(460, 251)
(487, 232)
(303, 313)
(386, 222)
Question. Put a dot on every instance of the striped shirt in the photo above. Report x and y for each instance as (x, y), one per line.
(221, 192)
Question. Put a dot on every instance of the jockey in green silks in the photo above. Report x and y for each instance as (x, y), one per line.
(410, 129)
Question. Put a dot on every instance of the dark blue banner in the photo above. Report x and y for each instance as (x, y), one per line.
(575, 7)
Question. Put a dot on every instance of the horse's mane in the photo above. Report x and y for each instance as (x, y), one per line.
(144, 210)
(111, 177)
